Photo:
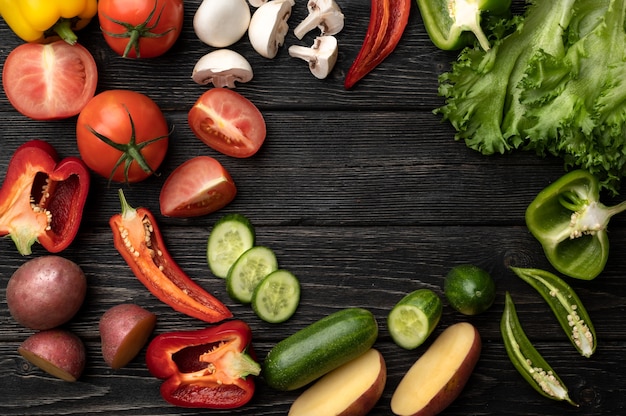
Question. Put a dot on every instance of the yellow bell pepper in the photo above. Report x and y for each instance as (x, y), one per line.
(45, 20)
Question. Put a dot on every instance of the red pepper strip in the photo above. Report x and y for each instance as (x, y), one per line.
(42, 199)
(139, 241)
(388, 19)
(210, 368)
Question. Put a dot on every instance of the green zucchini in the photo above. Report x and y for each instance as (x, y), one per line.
(320, 348)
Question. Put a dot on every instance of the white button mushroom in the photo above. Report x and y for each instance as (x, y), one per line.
(324, 14)
(222, 68)
(321, 57)
(268, 27)
(257, 3)
(220, 23)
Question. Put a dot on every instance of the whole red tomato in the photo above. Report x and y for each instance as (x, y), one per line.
(228, 122)
(140, 28)
(51, 81)
(122, 135)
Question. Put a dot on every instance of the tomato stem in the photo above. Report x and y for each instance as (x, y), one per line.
(131, 151)
(135, 33)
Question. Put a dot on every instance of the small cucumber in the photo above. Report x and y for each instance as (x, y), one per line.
(248, 271)
(276, 298)
(414, 318)
(231, 236)
(320, 348)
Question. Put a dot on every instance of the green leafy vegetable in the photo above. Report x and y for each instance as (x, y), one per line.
(553, 84)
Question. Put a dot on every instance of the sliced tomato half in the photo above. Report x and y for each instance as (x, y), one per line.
(49, 81)
(228, 122)
(197, 187)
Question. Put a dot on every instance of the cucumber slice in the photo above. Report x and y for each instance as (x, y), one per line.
(414, 318)
(232, 235)
(248, 271)
(276, 298)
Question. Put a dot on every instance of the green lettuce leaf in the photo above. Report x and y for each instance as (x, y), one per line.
(554, 85)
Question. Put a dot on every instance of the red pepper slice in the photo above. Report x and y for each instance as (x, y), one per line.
(388, 19)
(42, 198)
(210, 368)
(138, 239)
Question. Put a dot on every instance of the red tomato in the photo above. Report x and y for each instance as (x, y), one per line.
(228, 122)
(197, 187)
(51, 81)
(140, 28)
(122, 135)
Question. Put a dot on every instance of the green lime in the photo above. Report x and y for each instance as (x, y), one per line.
(469, 289)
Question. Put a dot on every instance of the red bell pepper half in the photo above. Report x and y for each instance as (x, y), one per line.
(210, 368)
(138, 239)
(42, 198)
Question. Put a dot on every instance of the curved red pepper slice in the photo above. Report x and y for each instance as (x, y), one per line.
(388, 19)
(42, 199)
(210, 368)
(139, 241)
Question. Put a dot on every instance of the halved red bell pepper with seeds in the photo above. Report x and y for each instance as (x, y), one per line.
(210, 368)
(137, 238)
(388, 19)
(42, 198)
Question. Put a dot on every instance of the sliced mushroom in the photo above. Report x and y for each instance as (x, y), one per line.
(257, 3)
(220, 23)
(268, 26)
(324, 14)
(222, 68)
(321, 56)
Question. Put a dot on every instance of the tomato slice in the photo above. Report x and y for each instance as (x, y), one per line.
(197, 187)
(228, 122)
(49, 81)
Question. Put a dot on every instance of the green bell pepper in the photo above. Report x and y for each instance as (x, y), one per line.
(570, 222)
(448, 21)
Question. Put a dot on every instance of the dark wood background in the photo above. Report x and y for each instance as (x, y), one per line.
(363, 194)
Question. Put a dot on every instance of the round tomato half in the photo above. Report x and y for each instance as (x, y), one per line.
(228, 122)
(122, 135)
(197, 187)
(140, 28)
(49, 81)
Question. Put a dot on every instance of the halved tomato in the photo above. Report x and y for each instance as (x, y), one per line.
(197, 187)
(228, 122)
(49, 81)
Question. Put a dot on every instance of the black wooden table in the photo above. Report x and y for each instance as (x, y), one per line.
(363, 194)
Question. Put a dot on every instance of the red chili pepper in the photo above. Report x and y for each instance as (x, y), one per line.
(139, 241)
(210, 368)
(388, 19)
(42, 198)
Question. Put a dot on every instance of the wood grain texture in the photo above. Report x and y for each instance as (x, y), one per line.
(363, 194)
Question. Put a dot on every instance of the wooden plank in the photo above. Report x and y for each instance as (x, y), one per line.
(363, 194)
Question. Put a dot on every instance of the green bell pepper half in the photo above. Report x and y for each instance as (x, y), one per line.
(570, 222)
(448, 21)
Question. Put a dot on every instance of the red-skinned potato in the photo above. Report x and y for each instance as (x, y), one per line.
(439, 375)
(124, 331)
(46, 292)
(57, 352)
(350, 390)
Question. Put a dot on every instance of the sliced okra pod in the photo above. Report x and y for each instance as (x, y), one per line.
(527, 360)
(566, 306)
